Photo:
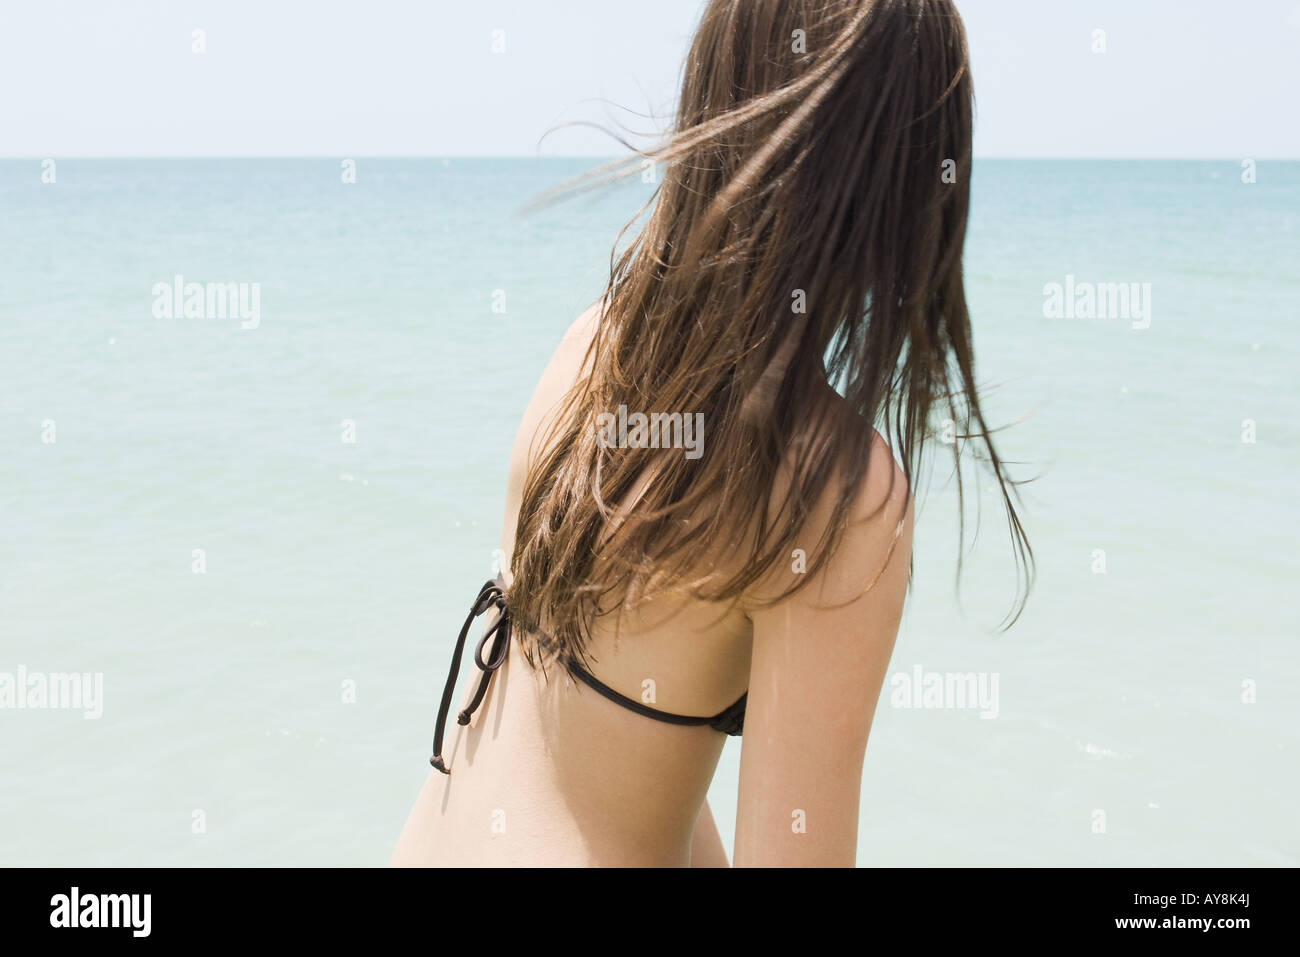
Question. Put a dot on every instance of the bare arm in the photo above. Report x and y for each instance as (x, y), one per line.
(815, 677)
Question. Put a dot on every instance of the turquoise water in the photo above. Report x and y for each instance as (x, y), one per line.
(332, 565)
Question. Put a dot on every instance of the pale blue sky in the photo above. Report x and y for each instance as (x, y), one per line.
(1180, 78)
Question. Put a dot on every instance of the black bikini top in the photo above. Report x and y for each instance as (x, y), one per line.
(496, 640)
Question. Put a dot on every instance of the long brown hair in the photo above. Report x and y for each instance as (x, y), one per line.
(808, 229)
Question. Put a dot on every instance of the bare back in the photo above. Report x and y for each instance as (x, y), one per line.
(549, 772)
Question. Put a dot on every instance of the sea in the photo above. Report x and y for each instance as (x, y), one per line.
(252, 534)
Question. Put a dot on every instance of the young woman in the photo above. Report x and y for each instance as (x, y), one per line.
(737, 559)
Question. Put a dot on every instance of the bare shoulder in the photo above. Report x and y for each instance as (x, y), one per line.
(576, 338)
(562, 371)
(878, 536)
(584, 326)
(875, 535)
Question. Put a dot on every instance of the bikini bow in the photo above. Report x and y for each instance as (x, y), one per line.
(491, 595)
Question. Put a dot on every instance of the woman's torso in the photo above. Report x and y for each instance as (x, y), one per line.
(548, 772)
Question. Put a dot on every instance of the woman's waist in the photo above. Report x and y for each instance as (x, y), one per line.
(571, 766)
(517, 817)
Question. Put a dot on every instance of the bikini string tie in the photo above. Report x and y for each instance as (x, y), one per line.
(489, 596)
